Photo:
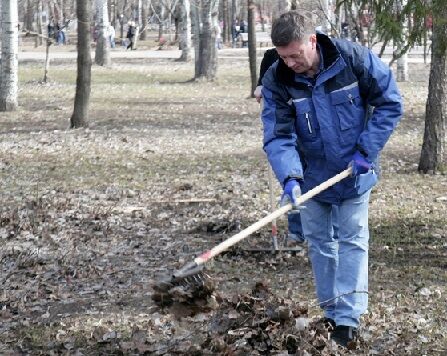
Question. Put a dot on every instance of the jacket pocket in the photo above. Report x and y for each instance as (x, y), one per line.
(348, 106)
(364, 182)
(306, 123)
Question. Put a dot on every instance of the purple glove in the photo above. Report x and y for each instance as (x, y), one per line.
(360, 164)
(292, 191)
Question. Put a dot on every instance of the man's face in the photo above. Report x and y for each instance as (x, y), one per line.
(299, 55)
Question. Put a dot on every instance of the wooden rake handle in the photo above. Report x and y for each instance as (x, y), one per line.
(224, 245)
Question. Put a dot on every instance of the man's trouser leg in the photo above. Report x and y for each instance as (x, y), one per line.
(340, 265)
(316, 219)
(352, 271)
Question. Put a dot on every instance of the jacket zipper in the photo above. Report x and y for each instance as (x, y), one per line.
(351, 99)
(309, 126)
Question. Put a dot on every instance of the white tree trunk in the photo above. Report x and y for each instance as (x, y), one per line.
(402, 69)
(140, 13)
(185, 30)
(9, 60)
(102, 53)
(402, 62)
(206, 63)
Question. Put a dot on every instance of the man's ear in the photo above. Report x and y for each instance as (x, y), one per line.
(313, 40)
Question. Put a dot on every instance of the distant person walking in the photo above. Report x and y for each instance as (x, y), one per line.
(51, 29)
(131, 33)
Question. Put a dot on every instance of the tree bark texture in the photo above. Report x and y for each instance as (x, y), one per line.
(144, 24)
(402, 61)
(47, 61)
(226, 31)
(207, 68)
(9, 60)
(161, 24)
(83, 81)
(102, 53)
(195, 23)
(433, 155)
(251, 6)
(185, 30)
(40, 24)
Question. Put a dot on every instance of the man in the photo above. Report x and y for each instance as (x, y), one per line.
(317, 98)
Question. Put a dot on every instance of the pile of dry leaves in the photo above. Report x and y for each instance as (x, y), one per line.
(256, 323)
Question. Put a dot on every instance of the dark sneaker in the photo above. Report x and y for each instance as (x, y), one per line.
(344, 335)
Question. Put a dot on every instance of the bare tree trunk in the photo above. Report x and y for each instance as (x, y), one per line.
(185, 30)
(433, 155)
(195, 19)
(40, 25)
(28, 23)
(112, 13)
(207, 50)
(139, 21)
(83, 81)
(402, 61)
(122, 20)
(102, 53)
(47, 60)
(261, 15)
(162, 19)
(252, 45)
(144, 24)
(9, 60)
(226, 31)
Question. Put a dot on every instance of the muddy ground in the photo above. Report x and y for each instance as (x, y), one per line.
(169, 168)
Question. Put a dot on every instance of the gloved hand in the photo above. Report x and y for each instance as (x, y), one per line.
(292, 191)
(360, 164)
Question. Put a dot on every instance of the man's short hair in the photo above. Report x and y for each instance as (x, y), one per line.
(291, 26)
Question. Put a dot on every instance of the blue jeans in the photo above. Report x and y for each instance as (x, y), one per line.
(296, 228)
(339, 258)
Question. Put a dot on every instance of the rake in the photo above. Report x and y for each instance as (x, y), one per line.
(192, 273)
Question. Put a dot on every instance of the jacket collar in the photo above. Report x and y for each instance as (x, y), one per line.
(331, 59)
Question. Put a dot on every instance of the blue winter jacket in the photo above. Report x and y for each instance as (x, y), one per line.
(321, 123)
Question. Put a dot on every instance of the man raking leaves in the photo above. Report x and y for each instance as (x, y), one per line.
(317, 98)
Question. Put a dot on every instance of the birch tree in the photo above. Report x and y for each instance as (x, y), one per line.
(206, 60)
(402, 61)
(9, 59)
(102, 53)
(144, 23)
(185, 30)
(83, 80)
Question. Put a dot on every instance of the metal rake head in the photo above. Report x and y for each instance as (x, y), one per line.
(191, 275)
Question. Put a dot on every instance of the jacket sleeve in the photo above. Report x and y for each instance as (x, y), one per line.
(379, 89)
(280, 139)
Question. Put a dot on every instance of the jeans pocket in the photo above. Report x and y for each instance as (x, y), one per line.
(364, 182)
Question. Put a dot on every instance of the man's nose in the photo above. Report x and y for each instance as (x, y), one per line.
(290, 62)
